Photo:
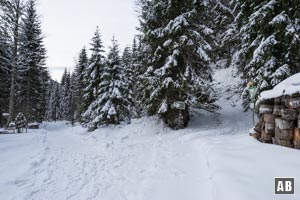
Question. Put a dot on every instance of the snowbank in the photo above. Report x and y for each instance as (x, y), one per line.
(287, 87)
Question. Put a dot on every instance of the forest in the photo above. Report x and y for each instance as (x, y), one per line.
(166, 71)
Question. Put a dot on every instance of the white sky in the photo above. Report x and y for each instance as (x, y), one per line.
(68, 25)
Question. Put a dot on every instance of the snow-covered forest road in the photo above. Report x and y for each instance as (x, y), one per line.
(213, 159)
(143, 161)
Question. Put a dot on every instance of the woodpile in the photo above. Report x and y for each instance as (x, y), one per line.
(279, 121)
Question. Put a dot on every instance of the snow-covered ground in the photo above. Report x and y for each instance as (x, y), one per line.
(213, 159)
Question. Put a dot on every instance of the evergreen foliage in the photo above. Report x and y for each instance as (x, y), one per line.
(270, 45)
(53, 110)
(112, 104)
(79, 83)
(5, 68)
(178, 37)
(66, 97)
(20, 122)
(93, 72)
(32, 76)
(167, 71)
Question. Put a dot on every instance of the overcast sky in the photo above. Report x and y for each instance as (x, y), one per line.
(68, 25)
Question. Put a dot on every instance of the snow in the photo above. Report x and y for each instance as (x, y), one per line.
(265, 43)
(5, 114)
(112, 111)
(203, 54)
(167, 43)
(282, 17)
(33, 124)
(287, 87)
(214, 158)
(163, 107)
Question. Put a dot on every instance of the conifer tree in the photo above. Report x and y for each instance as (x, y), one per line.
(32, 75)
(131, 79)
(226, 30)
(72, 93)
(270, 45)
(80, 82)
(139, 64)
(66, 97)
(53, 110)
(112, 104)
(11, 15)
(5, 69)
(178, 38)
(93, 72)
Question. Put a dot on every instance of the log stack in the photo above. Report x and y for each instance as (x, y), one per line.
(279, 121)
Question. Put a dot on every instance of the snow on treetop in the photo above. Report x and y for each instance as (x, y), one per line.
(5, 114)
(287, 87)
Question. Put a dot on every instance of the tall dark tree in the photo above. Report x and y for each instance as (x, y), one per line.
(66, 97)
(33, 76)
(5, 69)
(80, 82)
(129, 71)
(178, 38)
(53, 110)
(226, 30)
(12, 13)
(112, 104)
(93, 72)
(270, 46)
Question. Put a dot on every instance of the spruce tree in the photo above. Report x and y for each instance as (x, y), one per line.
(5, 69)
(226, 31)
(66, 97)
(112, 104)
(73, 100)
(44, 94)
(53, 109)
(11, 15)
(131, 79)
(139, 65)
(93, 72)
(32, 74)
(80, 82)
(270, 46)
(178, 37)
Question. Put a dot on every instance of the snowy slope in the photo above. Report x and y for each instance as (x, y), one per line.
(213, 159)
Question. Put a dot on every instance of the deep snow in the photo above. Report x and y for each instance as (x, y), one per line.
(213, 159)
(287, 87)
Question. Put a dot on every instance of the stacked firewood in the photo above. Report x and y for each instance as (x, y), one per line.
(279, 121)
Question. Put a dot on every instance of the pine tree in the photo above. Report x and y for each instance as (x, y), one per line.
(226, 30)
(11, 15)
(139, 64)
(5, 69)
(131, 79)
(32, 74)
(66, 97)
(270, 46)
(53, 110)
(44, 94)
(178, 38)
(112, 104)
(21, 122)
(80, 82)
(93, 72)
(73, 100)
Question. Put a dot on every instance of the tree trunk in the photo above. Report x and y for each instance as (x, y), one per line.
(17, 8)
(28, 113)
